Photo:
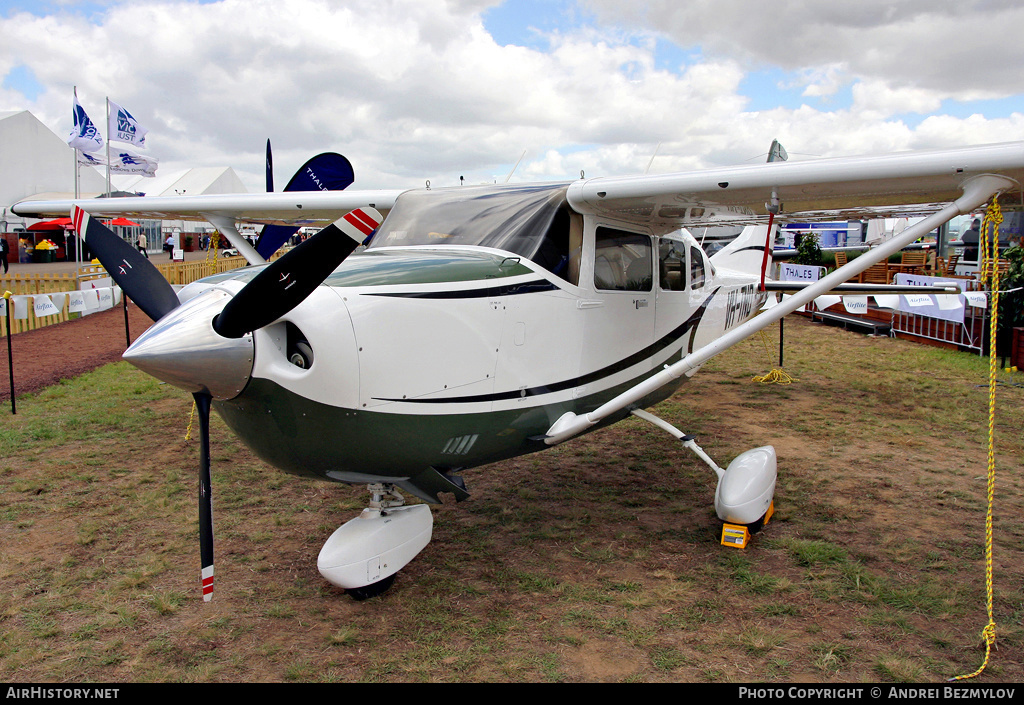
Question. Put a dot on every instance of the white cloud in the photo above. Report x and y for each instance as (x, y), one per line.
(966, 48)
(412, 90)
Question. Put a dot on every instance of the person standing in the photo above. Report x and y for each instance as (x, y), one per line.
(5, 249)
(169, 246)
(142, 244)
(971, 238)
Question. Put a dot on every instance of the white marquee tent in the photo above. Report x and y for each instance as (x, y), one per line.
(36, 163)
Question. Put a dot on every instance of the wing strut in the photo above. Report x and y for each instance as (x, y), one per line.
(976, 192)
(226, 225)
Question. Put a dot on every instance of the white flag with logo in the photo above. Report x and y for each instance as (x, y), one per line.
(84, 136)
(128, 163)
(91, 159)
(124, 127)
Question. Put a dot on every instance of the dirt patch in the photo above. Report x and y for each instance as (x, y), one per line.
(47, 355)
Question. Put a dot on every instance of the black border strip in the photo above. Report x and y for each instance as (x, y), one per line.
(615, 367)
(532, 287)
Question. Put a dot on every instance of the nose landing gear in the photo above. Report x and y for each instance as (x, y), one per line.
(364, 554)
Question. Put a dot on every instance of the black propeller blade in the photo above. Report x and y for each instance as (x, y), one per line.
(140, 280)
(288, 281)
(276, 290)
(203, 402)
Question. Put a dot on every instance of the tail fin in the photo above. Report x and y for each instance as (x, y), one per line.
(746, 253)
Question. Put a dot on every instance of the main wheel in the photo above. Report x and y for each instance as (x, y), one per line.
(372, 590)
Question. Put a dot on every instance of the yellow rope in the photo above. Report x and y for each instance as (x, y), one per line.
(990, 274)
(191, 418)
(776, 376)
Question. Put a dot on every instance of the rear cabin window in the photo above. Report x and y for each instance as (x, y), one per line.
(622, 261)
(672, 266)
(696, 268)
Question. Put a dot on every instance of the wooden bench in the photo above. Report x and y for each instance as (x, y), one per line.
(875, 326)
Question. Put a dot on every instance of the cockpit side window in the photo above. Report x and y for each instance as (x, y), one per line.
(622, 261)
(672, 265)
(561, 246)
(696, 268)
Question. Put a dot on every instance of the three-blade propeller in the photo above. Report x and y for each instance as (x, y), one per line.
(275, 291)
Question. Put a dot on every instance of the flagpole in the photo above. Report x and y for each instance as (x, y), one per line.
(74, 151)
(10, 354)
(108, 146)
(78, 192)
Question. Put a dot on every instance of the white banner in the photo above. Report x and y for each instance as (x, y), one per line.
(92, 299)
(887, 300)
(84, 136)
(925, 304)
(799, 273)
(76, 302)
(856, 304)
(918, 301)
(977, 299)
(3, 307)
(43, 306)
(124, 127)
(825, 300)
(21, 306)
(106, 298)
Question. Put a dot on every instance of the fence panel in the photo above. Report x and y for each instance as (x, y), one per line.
(30, 284)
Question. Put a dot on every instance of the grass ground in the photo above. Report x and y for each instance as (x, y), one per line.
(598, 560)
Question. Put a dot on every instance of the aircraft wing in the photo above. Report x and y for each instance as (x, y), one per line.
(285, 208)
(848, 188)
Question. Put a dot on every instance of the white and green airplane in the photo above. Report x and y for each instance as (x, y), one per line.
(483, 323)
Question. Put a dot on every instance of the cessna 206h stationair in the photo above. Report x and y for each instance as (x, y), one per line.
(483, 323)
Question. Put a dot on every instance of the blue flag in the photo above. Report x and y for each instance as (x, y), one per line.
(85, 137)
(325, 172)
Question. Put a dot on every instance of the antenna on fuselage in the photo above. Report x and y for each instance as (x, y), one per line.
(515, 167)
(652, 158)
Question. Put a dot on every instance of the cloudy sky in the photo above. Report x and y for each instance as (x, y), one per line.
(412, 90)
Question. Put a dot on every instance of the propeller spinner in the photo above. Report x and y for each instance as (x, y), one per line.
(206, 346)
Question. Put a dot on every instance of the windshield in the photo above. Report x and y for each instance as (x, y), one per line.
(531, 221)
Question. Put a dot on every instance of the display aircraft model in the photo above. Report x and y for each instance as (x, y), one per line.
(487, 322)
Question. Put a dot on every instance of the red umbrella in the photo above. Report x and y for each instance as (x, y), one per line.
(56, 224)
(124, 222)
